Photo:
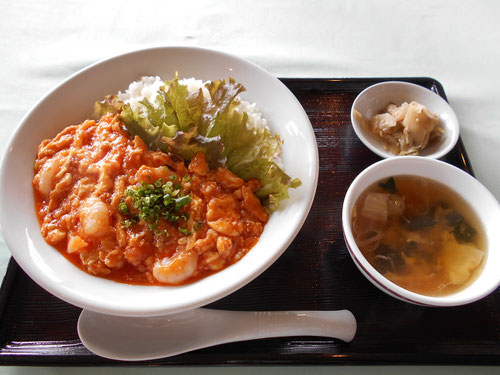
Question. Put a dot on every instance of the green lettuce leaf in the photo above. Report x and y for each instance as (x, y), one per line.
(185, 123)
(110, 104)
(187, 144)
(188, 109)
(150, 124)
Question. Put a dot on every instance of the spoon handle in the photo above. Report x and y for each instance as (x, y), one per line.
(249, 325)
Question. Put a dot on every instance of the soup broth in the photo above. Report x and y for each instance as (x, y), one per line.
(419, 234)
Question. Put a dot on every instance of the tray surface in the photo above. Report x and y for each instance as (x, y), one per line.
(315, 273)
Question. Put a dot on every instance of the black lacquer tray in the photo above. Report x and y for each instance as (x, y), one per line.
(315, 273)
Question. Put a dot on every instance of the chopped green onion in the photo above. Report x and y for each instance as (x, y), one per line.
(184, 231)
(198, 225)
(127, 223)
(123, 208)
(129, 191)
(172, 218)
(154, 202)
(182, 201)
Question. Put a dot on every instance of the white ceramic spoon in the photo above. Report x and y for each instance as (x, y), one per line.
(136, 339)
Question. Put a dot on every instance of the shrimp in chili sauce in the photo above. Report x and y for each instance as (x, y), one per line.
(119, 210)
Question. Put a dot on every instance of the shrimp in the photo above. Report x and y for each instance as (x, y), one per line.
(224, 246)
(45, 178)
(204, 244)
(196, 208)
(149, 174)
(252, 204)
(227, 178)
(113, 259)
(199, 165)
(223, 217)
(176, 269)
(75, 244)
(55, 235)
(94, 216)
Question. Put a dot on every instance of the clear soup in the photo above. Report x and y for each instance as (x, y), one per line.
(419, 234)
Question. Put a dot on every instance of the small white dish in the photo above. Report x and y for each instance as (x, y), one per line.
(72, 102)
(376, 98)
(480, 199)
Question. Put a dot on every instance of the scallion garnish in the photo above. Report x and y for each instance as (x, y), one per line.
(184, 231)
(182, 201)
(198, 225)
(156, 201)
(123, 208)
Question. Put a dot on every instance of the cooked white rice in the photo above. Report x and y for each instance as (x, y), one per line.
(195, 85)
(147, 88)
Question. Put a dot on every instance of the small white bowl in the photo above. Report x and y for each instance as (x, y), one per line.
(480, 199)
(375, 98)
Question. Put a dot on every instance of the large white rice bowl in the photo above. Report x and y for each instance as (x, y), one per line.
(72, 102)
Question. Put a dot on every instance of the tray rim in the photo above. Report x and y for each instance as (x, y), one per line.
(13, 269)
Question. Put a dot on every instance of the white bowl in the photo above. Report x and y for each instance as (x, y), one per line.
(375, 98)
(72, 101)
(481, 200)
